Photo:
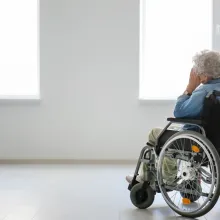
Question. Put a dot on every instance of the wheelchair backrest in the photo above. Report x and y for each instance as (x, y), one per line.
(211, 117)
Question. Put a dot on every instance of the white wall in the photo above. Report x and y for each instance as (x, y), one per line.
(89, 85)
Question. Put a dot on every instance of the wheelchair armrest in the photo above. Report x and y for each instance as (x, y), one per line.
(185, 121)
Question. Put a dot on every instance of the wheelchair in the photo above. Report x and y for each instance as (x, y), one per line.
(194, 188)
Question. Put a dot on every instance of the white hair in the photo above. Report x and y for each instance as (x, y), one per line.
(208, 63)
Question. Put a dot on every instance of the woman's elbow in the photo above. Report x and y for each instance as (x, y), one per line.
(184, 114)
(178, 114)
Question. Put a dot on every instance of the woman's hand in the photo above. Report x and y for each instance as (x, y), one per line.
(194, 81)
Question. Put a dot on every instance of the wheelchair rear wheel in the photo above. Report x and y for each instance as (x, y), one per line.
(191, 151)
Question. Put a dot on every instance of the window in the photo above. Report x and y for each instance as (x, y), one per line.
(171, 32)
(19, 49)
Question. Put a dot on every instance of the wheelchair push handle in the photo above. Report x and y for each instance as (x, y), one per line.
(214, 92)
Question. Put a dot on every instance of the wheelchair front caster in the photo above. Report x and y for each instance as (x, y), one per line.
(142, 197)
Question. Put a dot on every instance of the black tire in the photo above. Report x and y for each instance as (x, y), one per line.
(194, 185)
(142, 198)
(215, 158)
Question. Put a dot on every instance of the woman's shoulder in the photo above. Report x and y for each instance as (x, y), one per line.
(201, 87)
(209, 87)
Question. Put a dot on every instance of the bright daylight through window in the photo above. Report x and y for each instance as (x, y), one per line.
(171, 32)
(19, 77)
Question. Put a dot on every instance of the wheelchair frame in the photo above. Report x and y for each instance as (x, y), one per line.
(149, 147)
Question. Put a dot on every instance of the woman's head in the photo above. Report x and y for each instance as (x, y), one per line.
(207, 65)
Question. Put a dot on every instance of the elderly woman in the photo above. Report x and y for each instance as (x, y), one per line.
(204, 77)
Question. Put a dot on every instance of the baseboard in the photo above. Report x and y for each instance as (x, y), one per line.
(65, 161)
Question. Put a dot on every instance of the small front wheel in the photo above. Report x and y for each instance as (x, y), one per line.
(142, 197)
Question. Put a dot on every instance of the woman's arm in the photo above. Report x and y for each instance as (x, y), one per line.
(190, 106)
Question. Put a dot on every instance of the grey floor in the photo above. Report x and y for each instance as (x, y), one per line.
(74, 192)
